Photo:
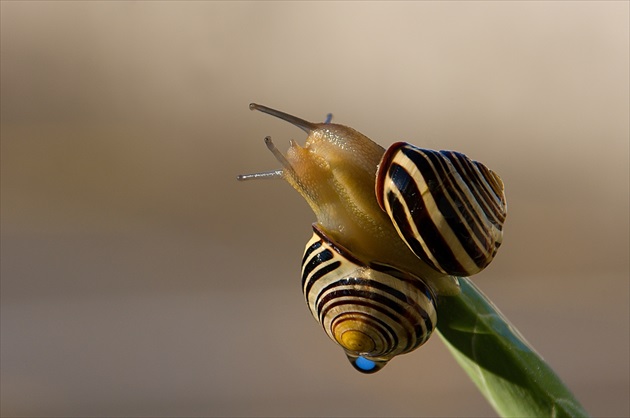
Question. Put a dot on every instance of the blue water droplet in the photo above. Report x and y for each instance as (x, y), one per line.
(364, 364)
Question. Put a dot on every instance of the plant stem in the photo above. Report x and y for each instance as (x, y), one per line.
(506, 369)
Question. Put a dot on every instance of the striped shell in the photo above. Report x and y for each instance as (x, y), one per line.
(374, 312)
(447, 208)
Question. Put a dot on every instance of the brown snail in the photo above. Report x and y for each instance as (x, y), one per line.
(392, 229)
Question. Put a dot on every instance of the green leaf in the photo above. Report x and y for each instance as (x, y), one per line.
(506, 369)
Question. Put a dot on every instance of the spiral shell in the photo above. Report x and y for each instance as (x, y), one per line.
(374, 312)
(449, 209)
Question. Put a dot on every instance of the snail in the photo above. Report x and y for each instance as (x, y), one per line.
(394, 228)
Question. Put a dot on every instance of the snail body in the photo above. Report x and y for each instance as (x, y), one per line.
(393, 228)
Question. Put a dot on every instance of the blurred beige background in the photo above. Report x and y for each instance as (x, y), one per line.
(140, 279)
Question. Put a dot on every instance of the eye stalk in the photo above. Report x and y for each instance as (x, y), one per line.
(304, 125)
